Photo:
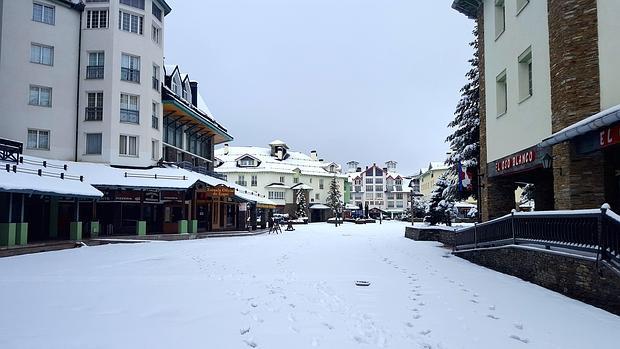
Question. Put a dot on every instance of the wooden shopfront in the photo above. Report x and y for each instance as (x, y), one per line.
(217, 209)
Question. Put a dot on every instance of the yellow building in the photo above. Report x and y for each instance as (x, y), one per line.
(428, 178)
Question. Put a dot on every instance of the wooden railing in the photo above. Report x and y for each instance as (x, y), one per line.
(596, 231)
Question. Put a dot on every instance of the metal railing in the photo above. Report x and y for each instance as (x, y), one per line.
(94, 71)
(130, 115)
(596, 231)
(94, 113)
(129, 74)
(199, 169)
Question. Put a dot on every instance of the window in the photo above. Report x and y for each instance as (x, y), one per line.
(156, 83)
(379, 196)
(295, 179)
(130, 68)
(93, 143)
(43, 13)
(369, 188)
(390, 196)
(130, 108)
(130, 23)
(155, 116)
(156, 11)
(399, 204)
(525, 75)
(369, 196)
(96, 60)
(369, 180)
(500, 18)
(134, 3)
(254, 180)
(38, 139)
(399, 196)
(276, 195)
(390, 204)
(41, 54)
(96, 19)
(155, 34)
(128, 145)
(94, 107)
(241, 180)
(321, 183)
(40, 96)
(282, 179)
(521, 5)
(358, 188)
(154, 150)
(378, 188)
(501, 92)
(246, 162)
(379, 180)
(317, 196)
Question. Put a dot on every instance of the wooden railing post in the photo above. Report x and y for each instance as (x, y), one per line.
(512, 226)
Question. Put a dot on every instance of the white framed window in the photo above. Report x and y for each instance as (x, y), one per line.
(130, 68)
(130, 23)
(154, 149)
(38, 139)
(128, 145)
(295, 179)
(156, 34)
(521, 5)
(40, 96)
(369, 196)
(378, 188)
(133, 3)
(399, 196)
(379, 196)
(156, 11)
(246, 162)
(254, 180)
(369, 180)
(526, 87)
(94, 106)
(130, 108)
(41, 54)
(501, 91)
(379, 180)
(155, 115)
(500, 18)
(317, 196)
(43, 13)
(282, 179)
(276, 195)
(156, 83)
(321, 183)
(370, 188)
(97, 19)
(93, 143)
(95, 67)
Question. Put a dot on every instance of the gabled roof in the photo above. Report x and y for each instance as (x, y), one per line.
(248, 156)
(278, 142)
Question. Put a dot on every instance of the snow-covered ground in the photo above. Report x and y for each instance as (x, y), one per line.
(294, 290)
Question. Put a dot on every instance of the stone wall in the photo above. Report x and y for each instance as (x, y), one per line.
(482, 167)
(446, 237)
(575, 95)
(576, 277)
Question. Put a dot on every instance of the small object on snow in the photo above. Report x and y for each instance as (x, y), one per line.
(362, 283)
(80, 244)
(244, 330)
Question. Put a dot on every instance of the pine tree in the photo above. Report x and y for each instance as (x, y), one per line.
(302, 206)
(440, 208)
(333, 198)
(465, 139)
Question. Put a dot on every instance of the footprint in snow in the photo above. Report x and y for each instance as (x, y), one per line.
(329, 327)
(254, 305)
(421, 304)
(294, 329)
(490, 316)
(425, 332)
(519, 326)
(475, 295)
(409, 324)
(522, 340)
(251, 344)
(426, 346)
(417, 316)
(492, 307)
(244, 330)
(474, 301)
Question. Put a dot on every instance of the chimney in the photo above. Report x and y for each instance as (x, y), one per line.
(359, 169)
(321, 160)
(226, 149)
(193, 86)
(314, 155)
(385, 169)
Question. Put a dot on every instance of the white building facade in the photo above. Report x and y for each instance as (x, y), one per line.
(83, 81)
(379, 188)
(280, 174)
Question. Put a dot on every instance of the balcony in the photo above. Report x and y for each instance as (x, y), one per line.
(131, 116)
(94, 113)
(94, 72)
(128, 74)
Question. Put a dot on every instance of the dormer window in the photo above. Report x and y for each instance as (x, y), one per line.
(246, 162)
(176, 85)
(184, 95)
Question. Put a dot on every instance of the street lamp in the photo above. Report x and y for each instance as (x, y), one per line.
(547, 161)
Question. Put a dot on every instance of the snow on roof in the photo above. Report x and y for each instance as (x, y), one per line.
(27, 180)
(602, 119)
(102, 175)
(278, 142)
(319, 207)
(268, 163)
(202, 105)
(302, 186)
(436, 165)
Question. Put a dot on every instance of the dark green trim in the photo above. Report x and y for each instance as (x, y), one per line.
(468, 7)
(206, 122)
(163, 4)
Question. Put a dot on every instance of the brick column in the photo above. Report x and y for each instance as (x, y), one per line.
(482, 167)
(575, 95)
(500, 197)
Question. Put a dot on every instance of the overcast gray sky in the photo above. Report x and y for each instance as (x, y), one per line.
(365, 80)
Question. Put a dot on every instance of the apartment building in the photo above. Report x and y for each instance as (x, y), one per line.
(550, 96)
(85, 78)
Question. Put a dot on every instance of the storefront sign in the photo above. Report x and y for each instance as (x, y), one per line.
(522, 161)
(221, 191)
(609, 136)
(151, 196)
(171, 195)
(122, 195)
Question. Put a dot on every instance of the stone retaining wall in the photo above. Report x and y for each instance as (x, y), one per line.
(574, 276)
(446, 237)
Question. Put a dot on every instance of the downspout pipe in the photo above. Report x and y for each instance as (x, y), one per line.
(79, 7)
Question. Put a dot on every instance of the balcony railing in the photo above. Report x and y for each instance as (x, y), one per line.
(129, 115)
(94, 72)
(128, 74)
(94, 113)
